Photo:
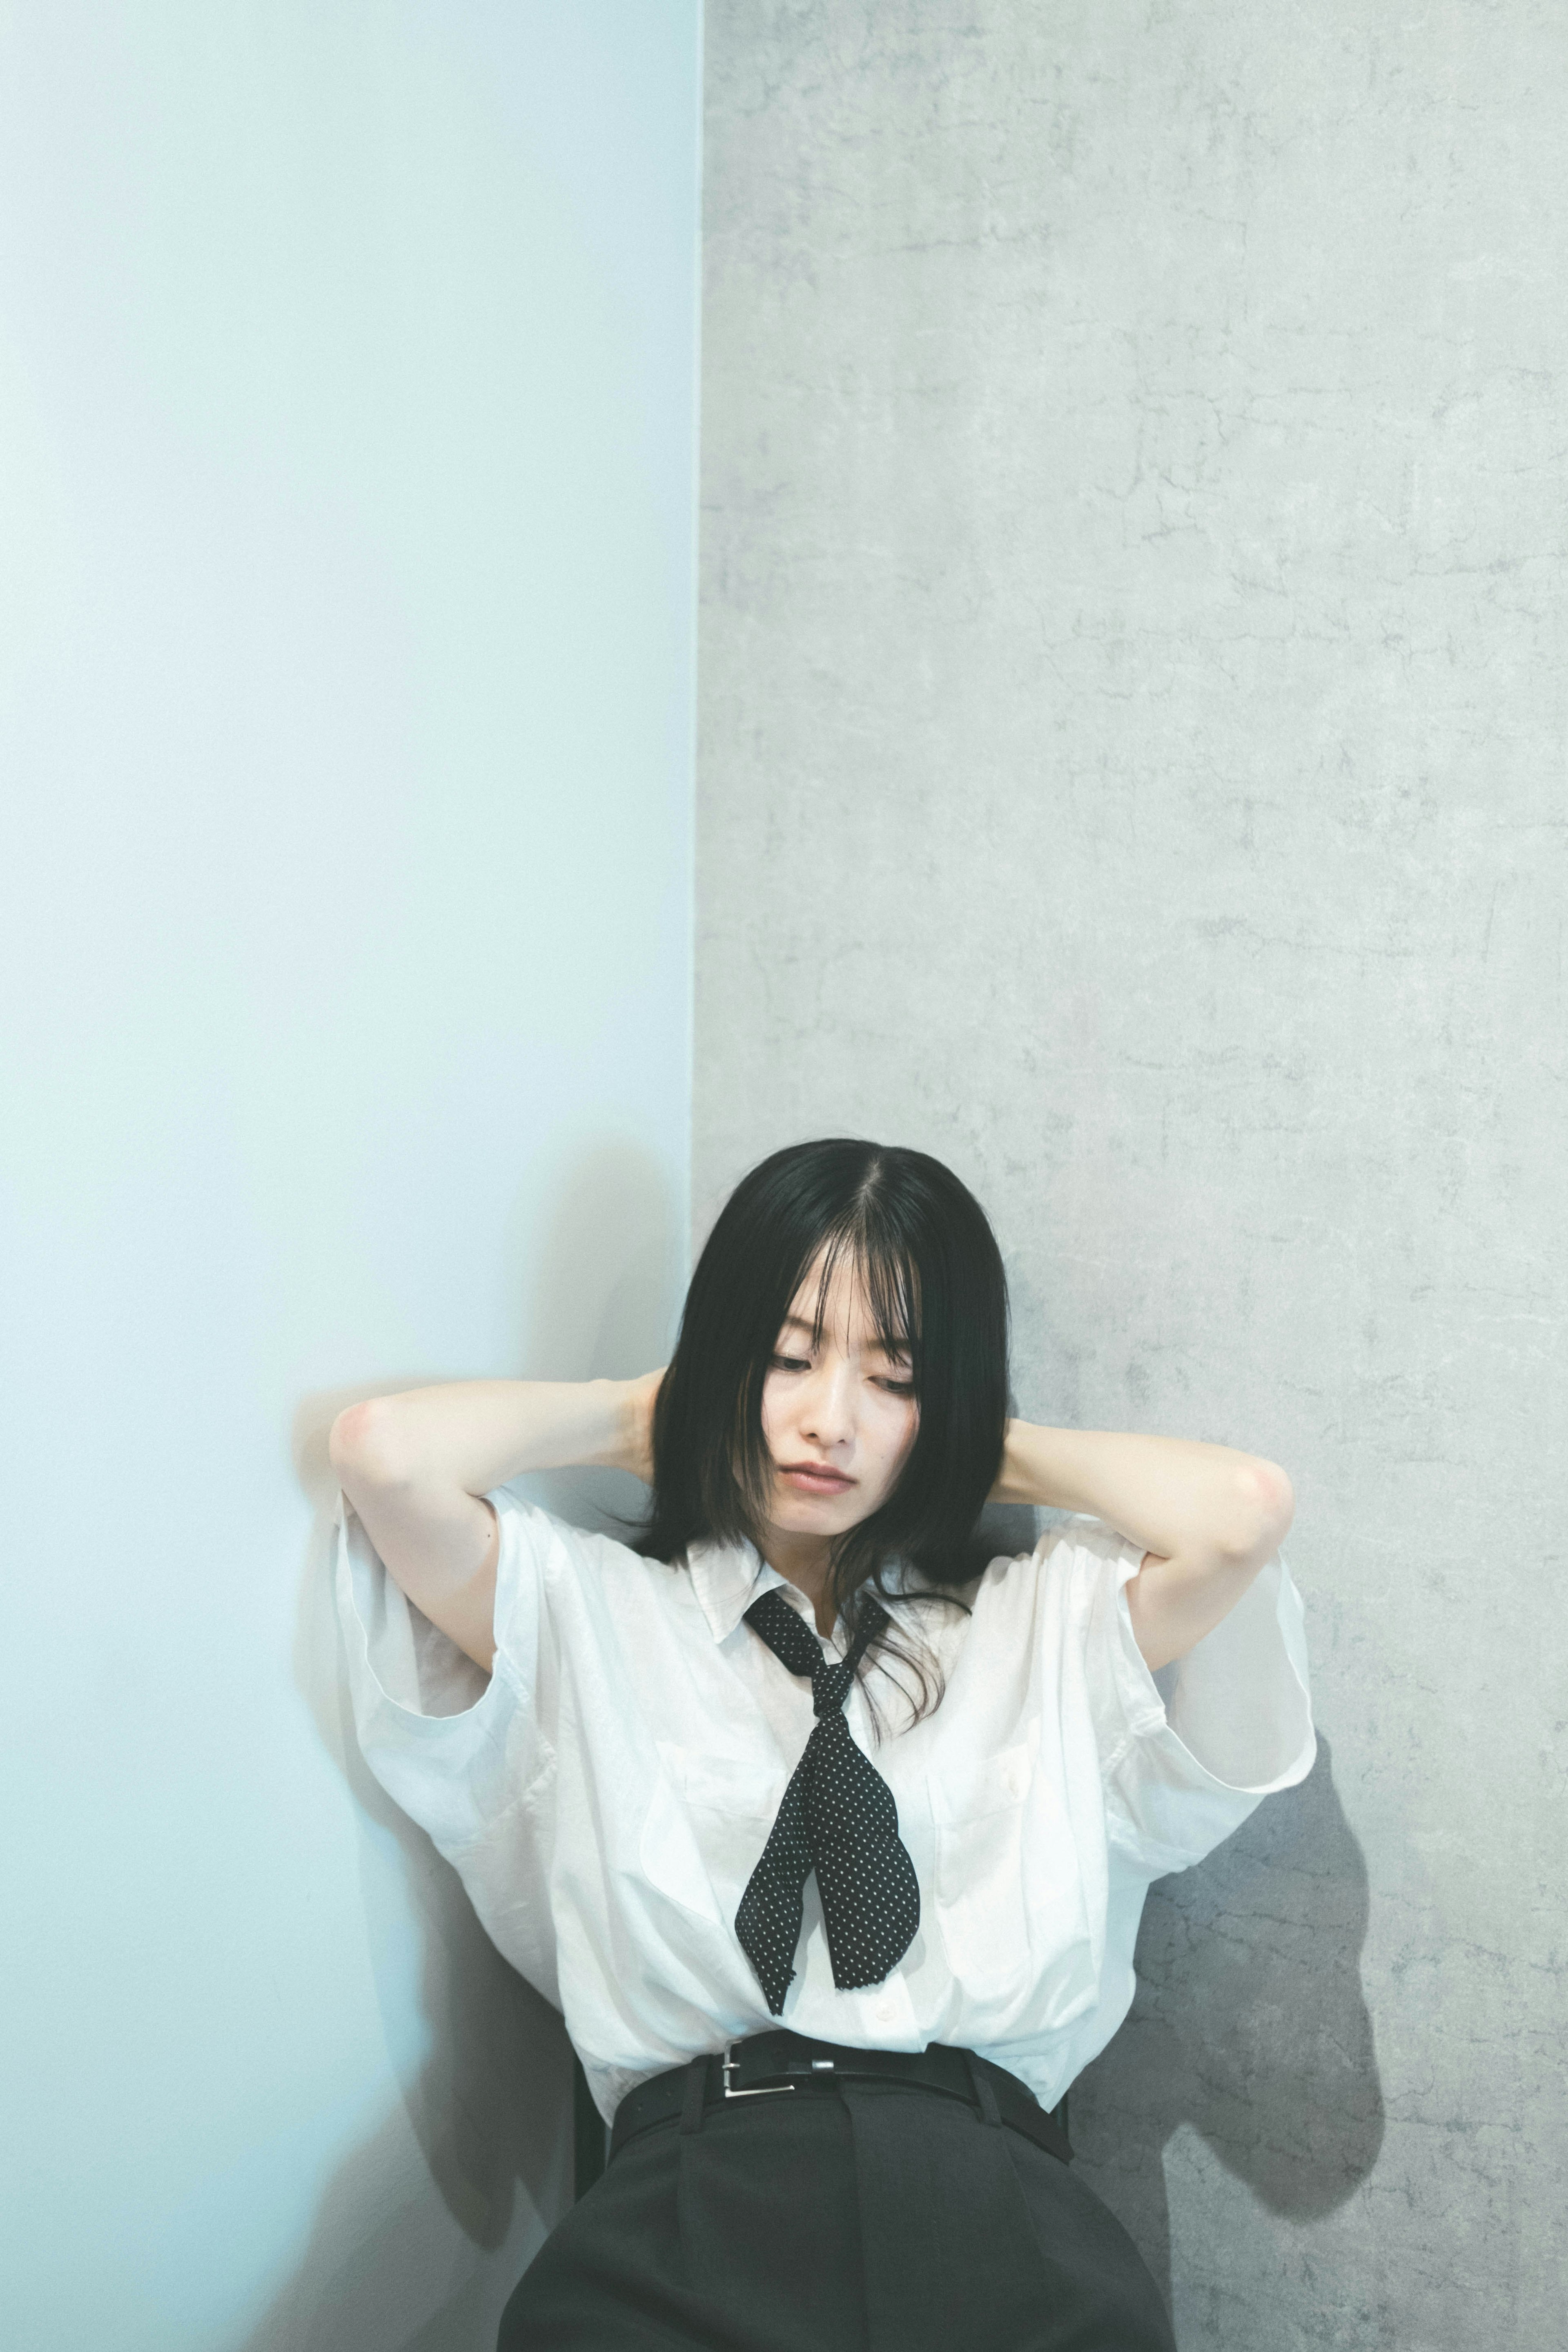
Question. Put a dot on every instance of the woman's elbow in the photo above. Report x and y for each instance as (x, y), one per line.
(361, 1445)
(1264, 1505)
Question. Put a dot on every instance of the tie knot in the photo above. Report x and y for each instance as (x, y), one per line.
(830, 1686)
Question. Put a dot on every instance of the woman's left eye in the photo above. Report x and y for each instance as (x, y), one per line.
(898, 1388)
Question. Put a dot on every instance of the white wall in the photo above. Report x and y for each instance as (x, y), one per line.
(346, 415)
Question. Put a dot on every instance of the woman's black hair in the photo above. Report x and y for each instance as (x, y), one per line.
(923, 1252)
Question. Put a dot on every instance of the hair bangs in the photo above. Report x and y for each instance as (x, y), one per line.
(884, 1277)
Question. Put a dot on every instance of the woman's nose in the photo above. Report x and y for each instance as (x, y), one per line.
(826, 1416)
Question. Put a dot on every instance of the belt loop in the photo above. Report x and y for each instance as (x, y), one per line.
(696, 2094)
(985, 2096)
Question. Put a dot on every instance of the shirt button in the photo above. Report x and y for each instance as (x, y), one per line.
(886, 2010)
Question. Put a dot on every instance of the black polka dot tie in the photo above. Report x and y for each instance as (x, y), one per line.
(836, 1817)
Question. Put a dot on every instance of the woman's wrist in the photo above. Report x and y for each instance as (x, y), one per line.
(1026, 1472)
(624, 1411)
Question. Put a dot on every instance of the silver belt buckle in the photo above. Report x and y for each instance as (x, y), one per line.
(729, 2065)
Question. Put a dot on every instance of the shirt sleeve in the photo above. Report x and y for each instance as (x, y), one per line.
(455, 1747)
(1187, 1754)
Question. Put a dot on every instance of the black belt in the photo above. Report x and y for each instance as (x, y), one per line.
(772, 2064)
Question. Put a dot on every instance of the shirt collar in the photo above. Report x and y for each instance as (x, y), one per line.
(727, 1579)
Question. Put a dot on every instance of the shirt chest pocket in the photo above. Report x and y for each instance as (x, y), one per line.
(978, 1811)
(706, 1827)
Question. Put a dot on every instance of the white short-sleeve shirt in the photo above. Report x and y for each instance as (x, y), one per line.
(607, 1793)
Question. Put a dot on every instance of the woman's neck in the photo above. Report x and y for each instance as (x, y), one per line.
(806, 1562)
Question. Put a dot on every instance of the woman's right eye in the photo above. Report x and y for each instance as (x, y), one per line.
(792, 1364)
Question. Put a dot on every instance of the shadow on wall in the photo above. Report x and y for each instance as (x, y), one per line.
(490, 2102)
(1249, 2023)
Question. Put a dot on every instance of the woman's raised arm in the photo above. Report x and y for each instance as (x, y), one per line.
(1207, 1516)
(417, 1467)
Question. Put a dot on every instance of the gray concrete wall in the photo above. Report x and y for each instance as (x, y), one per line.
(1131, 714)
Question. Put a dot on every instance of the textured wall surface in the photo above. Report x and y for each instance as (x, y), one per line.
(346, 494)
(1131, 704)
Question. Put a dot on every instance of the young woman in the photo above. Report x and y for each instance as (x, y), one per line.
(831, 1852)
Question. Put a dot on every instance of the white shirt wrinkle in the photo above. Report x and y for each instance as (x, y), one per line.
(1048, 1790)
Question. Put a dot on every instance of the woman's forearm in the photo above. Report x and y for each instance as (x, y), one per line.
(476, 1434)
(1177, 1497)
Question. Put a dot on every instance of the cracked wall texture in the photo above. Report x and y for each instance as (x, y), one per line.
(1132, 717)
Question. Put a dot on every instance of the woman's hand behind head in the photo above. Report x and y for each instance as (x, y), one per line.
(642, 1395)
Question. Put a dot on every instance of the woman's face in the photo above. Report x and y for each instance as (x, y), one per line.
(839, 1417)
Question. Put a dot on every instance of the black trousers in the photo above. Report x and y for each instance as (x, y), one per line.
(874, 2218)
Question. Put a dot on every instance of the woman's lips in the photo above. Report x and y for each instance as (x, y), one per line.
(816, 1478)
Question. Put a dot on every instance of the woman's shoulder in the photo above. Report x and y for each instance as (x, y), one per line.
(564, 1549)
(1080, 1549)
(1071, 1562)
(1009, 1553)
(563, 1521)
